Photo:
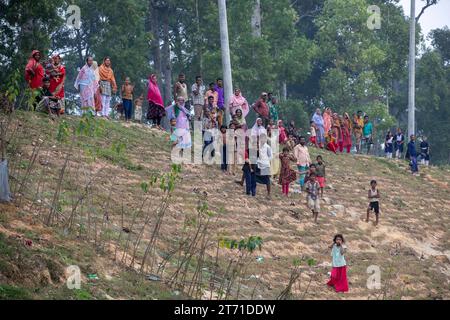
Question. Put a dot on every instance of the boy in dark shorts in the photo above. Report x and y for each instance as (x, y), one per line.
(374, 204)
(320, 172)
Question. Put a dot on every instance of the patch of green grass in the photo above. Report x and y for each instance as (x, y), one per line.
(5, 247)
(82, 294)
(13, 293)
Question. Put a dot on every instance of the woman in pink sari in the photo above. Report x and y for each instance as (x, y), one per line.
(87, 86)
(156, 110)
(327, 120)
(239, 102)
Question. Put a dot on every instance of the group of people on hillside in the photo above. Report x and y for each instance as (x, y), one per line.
(261, 161)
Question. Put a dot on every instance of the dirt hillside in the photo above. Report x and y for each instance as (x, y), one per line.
(411, 245)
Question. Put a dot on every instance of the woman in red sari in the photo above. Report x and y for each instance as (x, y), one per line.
(34, 72)
(282, 135)
(156, 110)
(57, 75)
(346, 129)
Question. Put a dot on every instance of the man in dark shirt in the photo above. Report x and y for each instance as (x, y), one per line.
(425, 151)
(413, 155)
(262, 109)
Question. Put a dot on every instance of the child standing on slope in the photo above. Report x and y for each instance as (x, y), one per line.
(320, 171)
(374, 204)
(287, 175)
(338, 278)
(312, 188)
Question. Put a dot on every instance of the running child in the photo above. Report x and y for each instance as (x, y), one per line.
(374, 204)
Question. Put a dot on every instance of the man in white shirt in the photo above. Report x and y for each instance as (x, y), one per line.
(303, 160)
(198, 93)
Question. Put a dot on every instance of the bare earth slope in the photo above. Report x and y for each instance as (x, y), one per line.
(411, 246)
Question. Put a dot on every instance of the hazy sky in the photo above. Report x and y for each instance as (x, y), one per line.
(436, 16)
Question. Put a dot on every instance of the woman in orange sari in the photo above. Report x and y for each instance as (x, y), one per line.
(327, 119)
(336, 131)
(346, 129)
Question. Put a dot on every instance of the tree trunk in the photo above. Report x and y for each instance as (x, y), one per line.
(412, 70)
(256, 19)
(167, 65)
(226, 61)
(155, 44)
(198, 40)
(284, 91)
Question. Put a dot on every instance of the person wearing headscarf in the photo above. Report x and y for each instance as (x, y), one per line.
(263, 163)
(327, 119)
(336, 131)
(182, 132)
(282, 135)
(97, 95)
(87, 85)
(258, 128)
(240, 118)
(318, 120)
(108, 85)
(346, 128)
(34, 72)
(57, 75)
(237, 101)
(156, 109)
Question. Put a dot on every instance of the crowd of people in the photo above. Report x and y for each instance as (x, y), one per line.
(328, 130)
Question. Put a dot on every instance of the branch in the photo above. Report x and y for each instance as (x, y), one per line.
(429, 4)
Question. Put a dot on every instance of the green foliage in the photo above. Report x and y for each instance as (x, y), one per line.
(166, 182)
(295, 110)
(250, 244)
(13, 293)
(63, 131)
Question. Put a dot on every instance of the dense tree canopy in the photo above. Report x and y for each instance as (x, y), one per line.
(321, 51)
